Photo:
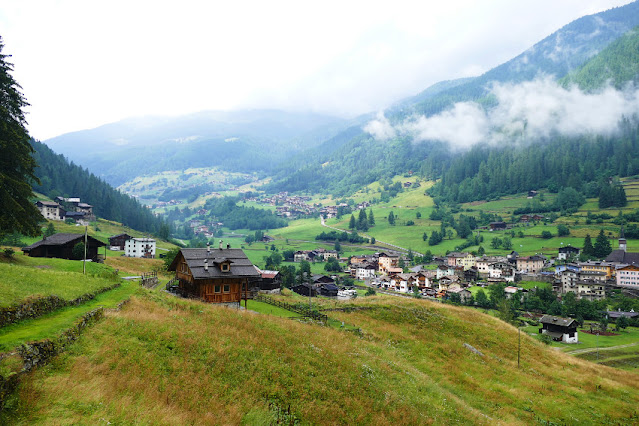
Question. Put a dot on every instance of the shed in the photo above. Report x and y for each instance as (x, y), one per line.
(61, 246)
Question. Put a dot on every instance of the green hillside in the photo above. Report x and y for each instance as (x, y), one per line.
(166, 361)
(617, 64)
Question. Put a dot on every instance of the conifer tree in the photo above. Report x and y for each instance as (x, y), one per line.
(371, 218)
(362, 221)
(602, 245)
(17, 166)
(588, 250)
(351, 224)
(391, 218)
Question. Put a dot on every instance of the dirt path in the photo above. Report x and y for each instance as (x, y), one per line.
(586, 350)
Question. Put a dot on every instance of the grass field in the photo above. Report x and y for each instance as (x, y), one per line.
(22, 279)
(167, 361)
(50, 325)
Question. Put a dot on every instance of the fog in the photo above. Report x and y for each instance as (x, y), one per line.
(529, 110)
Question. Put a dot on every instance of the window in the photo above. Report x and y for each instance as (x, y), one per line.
(224, 267)
(227, 288)
(217, 288)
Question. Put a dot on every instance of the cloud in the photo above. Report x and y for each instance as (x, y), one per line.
(380, 128)
(529, 110)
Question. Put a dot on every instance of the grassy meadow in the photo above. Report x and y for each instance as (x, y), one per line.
(163, 360)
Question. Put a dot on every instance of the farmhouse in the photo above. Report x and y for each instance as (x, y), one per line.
(568, 251)
(61, 246)
(560, 329)
(532, 264)
(117, 242)
(140, 247)
(50, 210)
(215, 275)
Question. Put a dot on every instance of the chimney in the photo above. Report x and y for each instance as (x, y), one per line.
(220, 244)
(208, 248)
(206, 264)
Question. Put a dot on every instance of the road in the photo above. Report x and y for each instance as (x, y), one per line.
(610, 348)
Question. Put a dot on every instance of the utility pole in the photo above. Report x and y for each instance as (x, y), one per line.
(84, 262)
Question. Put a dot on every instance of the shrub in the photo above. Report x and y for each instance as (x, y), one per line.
(546, 235)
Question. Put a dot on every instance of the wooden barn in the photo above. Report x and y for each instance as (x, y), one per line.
(61, 246)
(222, 275)
(117, 242)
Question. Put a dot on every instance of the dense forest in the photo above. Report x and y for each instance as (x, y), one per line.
(236, 216)
(59, 177)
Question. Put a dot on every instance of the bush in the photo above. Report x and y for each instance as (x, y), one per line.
(546, 235)
(9, 252)
(544, 338)
(370, 292)
(563, 231)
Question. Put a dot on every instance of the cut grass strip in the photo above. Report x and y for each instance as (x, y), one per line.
(51, 325)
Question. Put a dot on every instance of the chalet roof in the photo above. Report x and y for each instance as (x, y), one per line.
(551, 319)
(321, 278)
(62, 239)
(84, 205)
(617, 314)
(621, 256)
(569, 249)
(121, 235)
(269, 274)
(194, 257)
(48, 203)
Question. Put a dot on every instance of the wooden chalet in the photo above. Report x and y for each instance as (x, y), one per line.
(328, 290)
(117, 242)
(61, 246)
(560, 329)
(305, 289)
(222, 275)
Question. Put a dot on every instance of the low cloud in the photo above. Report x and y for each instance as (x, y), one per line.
(380, 128)
(529, 110)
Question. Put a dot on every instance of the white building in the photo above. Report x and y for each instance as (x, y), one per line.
(50, 210)
(140, 247)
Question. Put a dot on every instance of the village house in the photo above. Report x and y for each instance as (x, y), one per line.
(117, 242)
(270, 281)
(446, 282)
(386, 262)
(50, 210)
(501, 272)
(560, 329)
(607, 268)
(61, 246)
(568, 252)
(363, 271)
(497, 226)
(591, 290)
(464, 294)
(483, 263)
(628, 276)
(140, 247)
(531, 264)
(443, 270)
(214, 275)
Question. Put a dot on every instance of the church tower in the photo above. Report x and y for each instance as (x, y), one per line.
(622, 240)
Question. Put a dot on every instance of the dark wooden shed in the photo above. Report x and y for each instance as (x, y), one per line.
(61, 246)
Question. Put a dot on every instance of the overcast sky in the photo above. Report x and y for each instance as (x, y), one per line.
(85, 63)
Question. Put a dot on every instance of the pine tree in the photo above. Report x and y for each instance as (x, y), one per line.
(371, 218)
(362, 221)
(351, 224)
(588, 250)
(391, 218)
(17, 165)
(602, 245)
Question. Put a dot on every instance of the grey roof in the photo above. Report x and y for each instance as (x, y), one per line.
(61, 239)
(49, 203)
(241, 266)
(621, 256)
(551, 319)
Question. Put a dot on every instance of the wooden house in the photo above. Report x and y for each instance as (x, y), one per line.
(560, 329)
(328, 290)
(221, 275)
(304, 289)
(495, 226)
(117, 242)
(61, 246)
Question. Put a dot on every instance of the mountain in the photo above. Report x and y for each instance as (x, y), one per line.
(363, 158)
(59, 177)
(247, 141)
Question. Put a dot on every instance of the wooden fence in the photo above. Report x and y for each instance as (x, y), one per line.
(303, 310)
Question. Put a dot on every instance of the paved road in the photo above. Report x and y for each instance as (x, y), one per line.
(610, 348)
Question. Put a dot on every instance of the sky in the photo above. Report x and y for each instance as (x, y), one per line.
(82, 64)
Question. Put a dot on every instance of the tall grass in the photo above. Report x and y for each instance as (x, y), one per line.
(167, 361)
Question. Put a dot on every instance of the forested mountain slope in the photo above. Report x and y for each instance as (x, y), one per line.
(365, 158)
(59, 177)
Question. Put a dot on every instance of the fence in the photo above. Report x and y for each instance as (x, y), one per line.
(149, 279)
(303, 310)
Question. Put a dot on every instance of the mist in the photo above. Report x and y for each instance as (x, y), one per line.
(529, 110)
